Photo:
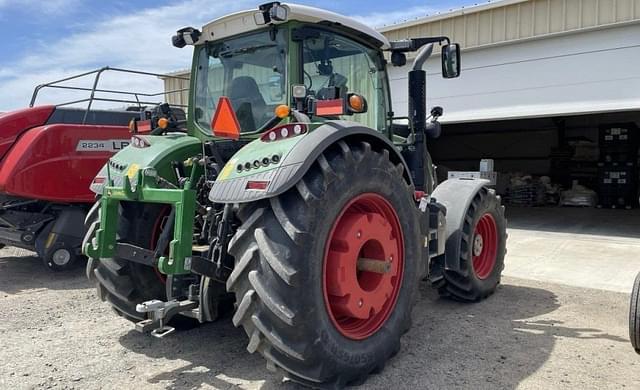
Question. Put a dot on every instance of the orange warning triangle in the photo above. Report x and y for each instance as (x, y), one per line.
(224, 122)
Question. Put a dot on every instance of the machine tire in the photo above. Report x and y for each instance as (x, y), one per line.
(281, 254)
(124, 284)
(634, 315)
(478, 275)
(61, 259)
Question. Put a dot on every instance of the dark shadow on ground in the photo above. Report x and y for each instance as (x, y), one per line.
(216, 353)
(576, 220)
(22, 270)
(496, 343)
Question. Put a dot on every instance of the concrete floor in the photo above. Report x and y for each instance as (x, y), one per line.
(582, 247)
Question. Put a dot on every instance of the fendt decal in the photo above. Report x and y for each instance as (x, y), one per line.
(102, 145)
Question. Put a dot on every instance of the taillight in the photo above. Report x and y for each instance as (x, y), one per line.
(99, 180)
(257, 185)
(284, 132)
(144, 126)
(139, 142)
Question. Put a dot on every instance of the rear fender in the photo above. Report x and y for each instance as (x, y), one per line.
(297, 156)
(456, 196)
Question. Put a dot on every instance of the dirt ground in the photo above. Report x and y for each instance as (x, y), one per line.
(56, 334)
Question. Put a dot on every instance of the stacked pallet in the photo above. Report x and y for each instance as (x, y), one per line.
(618, 166)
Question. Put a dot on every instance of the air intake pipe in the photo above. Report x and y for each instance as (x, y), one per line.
(418, 116)
(418, 90)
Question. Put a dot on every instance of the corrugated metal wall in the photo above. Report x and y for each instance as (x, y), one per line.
(177, 90)
(500, 23)
(496, 24)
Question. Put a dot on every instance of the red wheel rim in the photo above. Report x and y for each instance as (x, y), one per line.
(359, 301)
(485, 246)
(155, 236)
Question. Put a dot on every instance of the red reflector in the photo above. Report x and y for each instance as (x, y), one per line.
(99, 180)
(329, 107)
(257, 185)
(225, 123)
(144, 126)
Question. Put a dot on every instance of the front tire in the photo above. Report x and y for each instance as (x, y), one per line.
(634, 315)
(292, 251)
(481, 242)
(122, 283)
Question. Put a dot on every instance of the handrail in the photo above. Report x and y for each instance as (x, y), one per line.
(94, 89)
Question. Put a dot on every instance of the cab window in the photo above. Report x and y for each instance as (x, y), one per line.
(332, 60)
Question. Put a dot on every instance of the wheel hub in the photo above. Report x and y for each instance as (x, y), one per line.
(478, 243)
(485, 246)
(61, 257)
(363, 266)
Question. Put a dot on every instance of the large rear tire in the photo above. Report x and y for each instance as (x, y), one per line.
(124, 284)
(634, 315)
(301, 301)
(482, 247)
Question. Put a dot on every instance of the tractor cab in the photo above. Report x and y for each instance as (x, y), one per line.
(317, 63)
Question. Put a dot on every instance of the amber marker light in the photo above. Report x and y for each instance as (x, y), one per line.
(133, 128)
(356, 103)
(282, 111)
(163, 123)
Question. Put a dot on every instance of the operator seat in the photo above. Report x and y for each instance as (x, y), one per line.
(248, 102)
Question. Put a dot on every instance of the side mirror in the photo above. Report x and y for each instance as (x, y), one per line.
(451, 61)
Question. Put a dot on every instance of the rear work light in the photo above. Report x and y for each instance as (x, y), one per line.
(284, 132)
(139, 142)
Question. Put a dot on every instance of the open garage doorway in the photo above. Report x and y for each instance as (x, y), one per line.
(588, 237)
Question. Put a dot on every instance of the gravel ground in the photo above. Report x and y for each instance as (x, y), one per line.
(529, 335)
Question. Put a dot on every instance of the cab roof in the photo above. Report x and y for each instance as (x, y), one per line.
(243, 21)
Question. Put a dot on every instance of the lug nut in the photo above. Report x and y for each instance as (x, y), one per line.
(265, 161)
(256, 164)
(247, 166)
(239, 167)
(275, 159)
(360, 303)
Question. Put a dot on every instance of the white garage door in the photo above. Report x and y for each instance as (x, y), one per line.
(595, 71)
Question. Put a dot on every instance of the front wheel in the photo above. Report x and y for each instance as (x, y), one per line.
(122, 283)
(61, 259)
(472, 266)
(634, 315)
(326, 274)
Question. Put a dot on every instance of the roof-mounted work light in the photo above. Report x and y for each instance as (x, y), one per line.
(271, 13)
(186, 36)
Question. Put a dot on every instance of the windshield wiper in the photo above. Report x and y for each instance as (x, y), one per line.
(243, 50)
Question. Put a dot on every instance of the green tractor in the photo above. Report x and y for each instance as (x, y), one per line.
(293, 196)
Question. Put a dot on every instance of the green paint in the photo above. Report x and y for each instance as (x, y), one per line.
(140, 188)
